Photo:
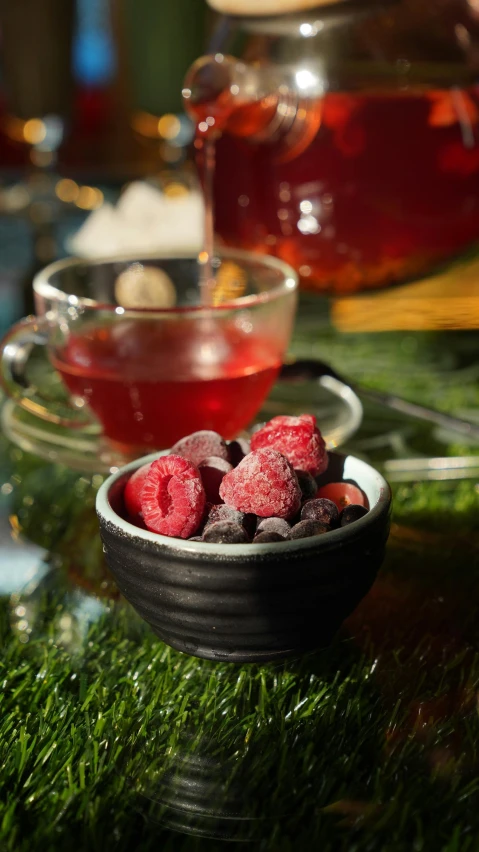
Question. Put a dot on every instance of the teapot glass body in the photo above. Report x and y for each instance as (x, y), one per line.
(347, 137)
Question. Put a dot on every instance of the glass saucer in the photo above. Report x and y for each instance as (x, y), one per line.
(337, 407)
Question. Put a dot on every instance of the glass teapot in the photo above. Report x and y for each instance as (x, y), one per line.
(346, 134)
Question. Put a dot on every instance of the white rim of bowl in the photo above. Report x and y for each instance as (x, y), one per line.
(108, 514)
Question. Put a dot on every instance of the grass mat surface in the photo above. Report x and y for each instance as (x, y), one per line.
(111, 741)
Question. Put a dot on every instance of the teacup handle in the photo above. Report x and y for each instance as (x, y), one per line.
(15, 351)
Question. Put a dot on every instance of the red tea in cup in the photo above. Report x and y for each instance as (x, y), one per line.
(148, 375)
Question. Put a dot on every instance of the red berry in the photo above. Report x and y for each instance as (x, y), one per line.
(137, 521)
(132, 492)
(297, 438)
(201, 445)
(173, 498)
(263, 483)
(343, 494)
(212, 471)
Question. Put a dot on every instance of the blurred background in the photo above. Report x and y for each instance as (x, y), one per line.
(384, 195)
(90, 101)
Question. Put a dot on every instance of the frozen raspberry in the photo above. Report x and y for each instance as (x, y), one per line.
(238, 450)
(132, 492)
(212, 471)
(276, 525)
(305, 529)
(173, 497)
(352, 513)
(225, 532)
(343, 494)
(227, 513)
(321, 509)
(200, 445)
(263, 483)
(298, 438)
(267, 537)
(307, 483)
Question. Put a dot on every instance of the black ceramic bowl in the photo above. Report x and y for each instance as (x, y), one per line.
(247, 602)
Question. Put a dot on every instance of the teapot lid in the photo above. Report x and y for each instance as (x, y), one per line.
(267, 7)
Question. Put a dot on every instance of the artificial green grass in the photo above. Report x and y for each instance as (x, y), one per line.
(371, 744)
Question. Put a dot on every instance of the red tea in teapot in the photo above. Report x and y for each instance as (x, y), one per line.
(365, 189)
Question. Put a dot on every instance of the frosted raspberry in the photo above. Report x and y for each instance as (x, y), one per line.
(212, 471)
(263, 483)
(173, 497)
(200, 445)
(298, 438)
(132, 492)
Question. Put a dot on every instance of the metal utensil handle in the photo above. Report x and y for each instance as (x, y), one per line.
(414, 409)
(311, 369)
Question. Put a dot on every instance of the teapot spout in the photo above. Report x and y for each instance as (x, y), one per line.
(222, 93)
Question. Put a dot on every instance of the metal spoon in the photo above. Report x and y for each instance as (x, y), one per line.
(315, 369)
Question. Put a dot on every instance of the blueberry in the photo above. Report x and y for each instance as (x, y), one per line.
(274, 525)
(221, 512)
(267, 536)
(308, 528)
(224, 513)
(351, 513)
(212, 470)
(307, 483)
(195, 538)
(225, 532)
(237, 450)
(249, 522)
(322, 510)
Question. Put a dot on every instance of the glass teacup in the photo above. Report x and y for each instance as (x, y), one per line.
(139, 354)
